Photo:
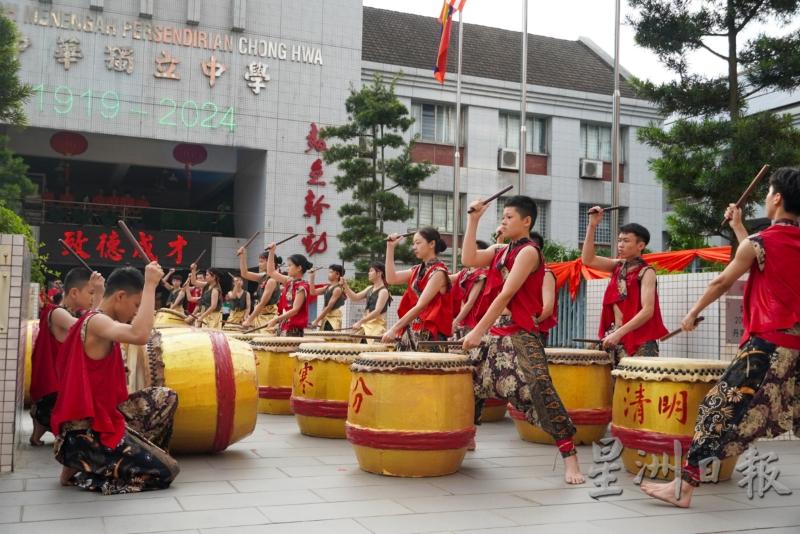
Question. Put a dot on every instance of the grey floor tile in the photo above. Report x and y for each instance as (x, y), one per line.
(69, 526)
(769, 500)
(330, 510)
(558, 513)
(343, 526)
(210, 475)
(183, 520)
(247, 500)
(61, 495)
(351, 480)
(700, 504)
(10, 514)
(320, 470)
(11, 484)
(258, 461)
(509, 485)
(105, 508)
(45, 483)
(434, 522)
(341, 459)
(454, 503)
(684, 524)
(389, 491)
(563, 528)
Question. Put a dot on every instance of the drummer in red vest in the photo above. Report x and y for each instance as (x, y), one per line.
(82, 291)
(293, 303)
(759, 393)
(92, 443)
(510, 361)
(426, 309)
(630, 322)
(467, 290)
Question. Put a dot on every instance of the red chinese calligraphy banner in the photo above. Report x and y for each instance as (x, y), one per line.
(102, 246)
(574, 271)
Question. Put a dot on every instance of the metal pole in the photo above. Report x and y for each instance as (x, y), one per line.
(457, 152)
(523, 101)
(615, 120)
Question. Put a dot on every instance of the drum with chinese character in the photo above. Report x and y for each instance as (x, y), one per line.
(411, 414)
(321, 384)
(582, 379)
(214, 378)
(27, 339)
(275, 370)
(493, 410)
(655, 410)
(167, 318)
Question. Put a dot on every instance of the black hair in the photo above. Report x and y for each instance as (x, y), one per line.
(786, 181)
(638, 230)
(537, 238)
(177, 277)
(337, 269)
(57, 298)
(278, 259)
(429, 233)
(482, 245)
(301, 261)
(525, 206)
(77, 277)
(223, 280)
(127, 279)
(381, 268)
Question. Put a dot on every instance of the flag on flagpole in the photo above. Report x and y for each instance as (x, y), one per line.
(445, 19)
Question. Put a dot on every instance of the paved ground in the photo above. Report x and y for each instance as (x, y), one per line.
(278, 481)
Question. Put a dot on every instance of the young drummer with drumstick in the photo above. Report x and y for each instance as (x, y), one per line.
(511, 361)
(293, 303)
(759, 393)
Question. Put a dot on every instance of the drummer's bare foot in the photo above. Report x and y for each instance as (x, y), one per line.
(66, 476)
(666, 492)
(38, 431)
(572, 470)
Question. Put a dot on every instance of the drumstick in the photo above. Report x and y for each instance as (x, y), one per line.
(679, 330)
(402, 236)
(200, 257)
(742, 199)
(495, 196)
(433, 343)
(610, 208)
(134, 242)
(257, 328)
(287, 239)
(75, 254)
(362, 336)
(252, 238)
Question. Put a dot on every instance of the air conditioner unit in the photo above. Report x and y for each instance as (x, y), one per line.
(592, 168)
(507, 159)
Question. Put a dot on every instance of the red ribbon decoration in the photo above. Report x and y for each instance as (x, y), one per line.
(319, 408)
(408, 440)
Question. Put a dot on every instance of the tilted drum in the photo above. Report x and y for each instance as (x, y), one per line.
(275, 370)
(214, 377)
(411, 414)
(167, 318)
(655, 405)
(582, 379)
(321, 386)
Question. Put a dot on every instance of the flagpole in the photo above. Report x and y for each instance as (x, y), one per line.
(523, 102)
(457, 151)
(615, 127)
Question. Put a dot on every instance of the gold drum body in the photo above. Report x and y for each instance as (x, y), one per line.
(275, 370)
(167, 318)
(411, 414)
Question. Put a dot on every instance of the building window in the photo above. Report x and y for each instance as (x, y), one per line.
(602, 235)
(435, 123)
(536, 138)
(432, 209)
(596, 142)
(542, 207)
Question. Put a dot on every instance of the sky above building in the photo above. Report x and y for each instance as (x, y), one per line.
(571, 19)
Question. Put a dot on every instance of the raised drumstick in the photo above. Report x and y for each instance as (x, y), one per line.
(75, 254)
(134, 242)
(252, 238)
(679, 330)
(402, 236)
(610, 208)
(742, 199)
(495, 196)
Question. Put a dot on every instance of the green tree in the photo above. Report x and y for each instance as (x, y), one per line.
(713, 149)
(376, 123)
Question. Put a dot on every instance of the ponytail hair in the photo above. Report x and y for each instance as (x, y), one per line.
(429, 233)
(301, 261)
(381, 268)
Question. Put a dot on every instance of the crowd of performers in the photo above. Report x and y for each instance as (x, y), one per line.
(500, 307)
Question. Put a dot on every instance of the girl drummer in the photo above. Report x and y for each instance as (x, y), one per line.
(331, 316)
(294, 298)
(426, 309)
(373, 323)
(210, 300)
(467, 289)
(267, 294)
(239, 302)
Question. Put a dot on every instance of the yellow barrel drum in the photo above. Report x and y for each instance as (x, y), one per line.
(655, 405)
(167, 318)
(27, 339)
(321, 386)
(493, 410)
(275, 370)
(411, 414)
(318, 336)
(582, 379)
(214, 378)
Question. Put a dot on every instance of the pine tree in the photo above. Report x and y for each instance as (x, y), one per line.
(376, 123)
(714, 148)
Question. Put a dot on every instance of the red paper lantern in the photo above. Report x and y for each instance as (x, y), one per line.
(189, 155)
(68, 144)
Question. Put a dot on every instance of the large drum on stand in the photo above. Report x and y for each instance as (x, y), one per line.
(167, 318)
(582, 379)
(214, 378)
(655, 405)
(321, 386)
(28, 336)
(275, 370)
(411, 414)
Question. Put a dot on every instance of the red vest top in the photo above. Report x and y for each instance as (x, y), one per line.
(466, 282)
(44, 379)
(437, 317)
(772, 293)
(299, 320)
(91, 388)
(626, 294)
(551, 321)
(527, 301)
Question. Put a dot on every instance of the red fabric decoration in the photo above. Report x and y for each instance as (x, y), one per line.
(43, 358)
(68, 144)
(189, 155)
